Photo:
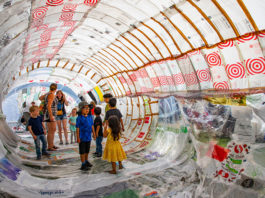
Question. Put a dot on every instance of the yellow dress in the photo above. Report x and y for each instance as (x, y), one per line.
(113, 151)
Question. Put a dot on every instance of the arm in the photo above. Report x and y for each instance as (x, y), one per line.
(42, 97)
(122, 126)
(77, 135)
(105, 133)
(49, 106)
(93, 131)
(44, 128)
(31, 132)
(97, 130)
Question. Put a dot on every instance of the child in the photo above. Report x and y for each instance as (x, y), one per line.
(99, 133)
(72, 122)
(84, 128)
(38, 131)
(107, 97)
(114, 111)
(113, 151)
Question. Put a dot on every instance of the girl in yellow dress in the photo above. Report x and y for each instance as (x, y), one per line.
(113, 151)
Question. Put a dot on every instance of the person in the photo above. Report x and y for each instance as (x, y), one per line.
(99, 132)
(113, 151)
(61, 116)
(114, 111)
(84, 128)
(38, 131)
(107, 97)
(32, 103)
(93, 105)
(72, 122)
(49, 112)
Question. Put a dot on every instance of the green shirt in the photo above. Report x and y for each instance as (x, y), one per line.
(107, 108)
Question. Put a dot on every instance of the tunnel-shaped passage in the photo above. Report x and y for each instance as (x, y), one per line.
(189, 78)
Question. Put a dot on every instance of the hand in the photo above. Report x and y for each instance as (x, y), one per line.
(52, 119)
(94, 137)
(122, 129)
(45, 132)
(78, 140)
(34, 137)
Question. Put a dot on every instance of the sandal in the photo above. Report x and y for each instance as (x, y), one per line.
(55, 147)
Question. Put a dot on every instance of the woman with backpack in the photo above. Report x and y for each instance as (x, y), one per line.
(61, 117)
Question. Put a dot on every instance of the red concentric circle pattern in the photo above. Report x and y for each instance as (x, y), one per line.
(179, 80)
(247, 37)
(214, 59)
(204, 75)
(191, 79)
(228, 43)
(235, 70)
(256, 66)
(54, 2)
(66, 16)
(221, 85)
(39, 13)
(90, 2)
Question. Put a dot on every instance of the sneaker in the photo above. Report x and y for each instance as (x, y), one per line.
(61, 143)
(84, 167)
(88, 164)
(95, 153)
(47, 154)
(67, 143)
(38, 157)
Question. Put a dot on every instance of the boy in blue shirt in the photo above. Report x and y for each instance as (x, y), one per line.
(84, 128)
(38, 131)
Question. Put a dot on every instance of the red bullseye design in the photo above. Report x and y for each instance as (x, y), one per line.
(221, 85)
(261, 35)
(247, 37)
(69, 7)
(229, 43)
(204, 75)
(214, 59)
(191, 79)
(155, 82)
(143, 73)
(170, 80)
(256, 66)
(178, 79)
(235, 70)
(66, 16)
(54, 2)
(163, 80)
(90, 2)
(39, 13)
(196, 52)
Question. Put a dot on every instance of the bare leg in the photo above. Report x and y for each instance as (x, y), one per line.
(59, 124)
(86, 156)
(51, 130)
(82, 157)
(65, 129)
(72, 134)
(113, 171)
(120, 165)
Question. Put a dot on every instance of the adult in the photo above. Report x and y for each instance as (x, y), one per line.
(50, 112)
(61, 117)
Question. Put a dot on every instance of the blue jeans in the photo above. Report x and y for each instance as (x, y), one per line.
(99, 145)
(41, 138)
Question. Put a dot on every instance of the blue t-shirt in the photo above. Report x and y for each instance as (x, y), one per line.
(85, 127)
(36, 125)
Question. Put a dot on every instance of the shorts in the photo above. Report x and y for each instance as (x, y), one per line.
(49, 120)
(61, 117)
(84, 147)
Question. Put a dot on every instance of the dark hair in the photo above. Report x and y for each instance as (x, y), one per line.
(107, 95)
(97, 110)
(112, 102)
(53, 86)
(115, 126)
